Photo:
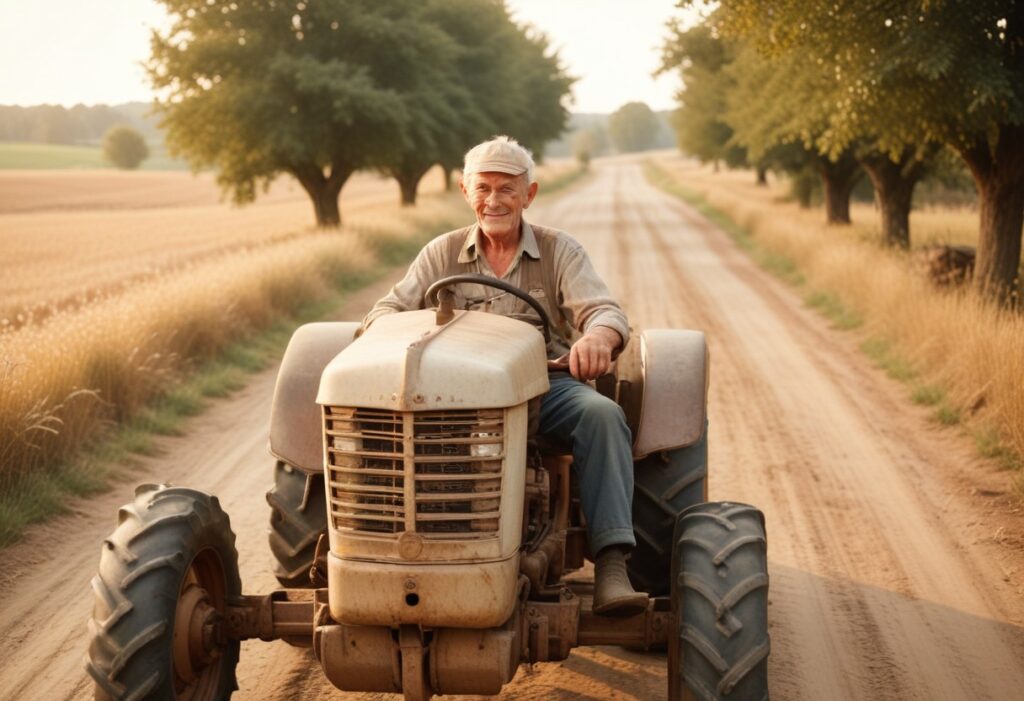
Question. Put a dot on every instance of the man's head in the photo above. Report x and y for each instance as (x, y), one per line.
(498, 182)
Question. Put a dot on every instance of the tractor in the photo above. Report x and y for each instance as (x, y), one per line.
(427, 540)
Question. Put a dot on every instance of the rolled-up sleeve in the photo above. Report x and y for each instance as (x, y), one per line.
(584, 298)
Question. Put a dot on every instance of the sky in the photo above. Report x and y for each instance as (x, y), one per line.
(69, 51)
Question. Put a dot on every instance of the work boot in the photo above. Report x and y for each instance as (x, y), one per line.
(613, 594)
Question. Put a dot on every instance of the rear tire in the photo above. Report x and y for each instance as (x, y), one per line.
(169, 569)
(719, 650)
(665, 485)
(298, 517)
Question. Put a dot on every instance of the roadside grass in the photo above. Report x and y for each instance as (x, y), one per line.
(43, 493)
(957, 353)
(830, 305)
(159, 354)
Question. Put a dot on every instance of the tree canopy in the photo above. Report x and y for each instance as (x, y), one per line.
(633, 127)
(902, 75)
(125, 147)
(319, 90)
(701, 58)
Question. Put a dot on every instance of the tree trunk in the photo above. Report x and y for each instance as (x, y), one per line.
(446, 171)
(839, 177)
(999, 176)
(408, 189)
(894, 183)
(802, 186)
(762, 176)
(323, 191)
(409, 178)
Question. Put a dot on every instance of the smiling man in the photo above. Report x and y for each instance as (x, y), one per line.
(589, 329)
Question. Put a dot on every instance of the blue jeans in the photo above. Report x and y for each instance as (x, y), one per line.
(573, 415)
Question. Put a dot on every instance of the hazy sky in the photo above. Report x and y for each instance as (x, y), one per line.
(70, 51)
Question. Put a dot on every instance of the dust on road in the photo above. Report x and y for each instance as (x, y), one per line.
(886, 581)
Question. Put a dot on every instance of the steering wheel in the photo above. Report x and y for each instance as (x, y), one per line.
(433, 293)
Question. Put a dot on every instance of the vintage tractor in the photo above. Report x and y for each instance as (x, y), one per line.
(427, 543)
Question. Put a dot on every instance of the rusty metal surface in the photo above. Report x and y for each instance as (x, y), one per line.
(295, 422)
(359, 658)
(467, 595)
(644, 631)
(474, 661)
(282, 614)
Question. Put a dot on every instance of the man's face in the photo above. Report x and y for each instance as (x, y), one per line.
(498, 199)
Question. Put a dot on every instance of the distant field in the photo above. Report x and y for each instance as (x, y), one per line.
(68, 237)
(32, 156)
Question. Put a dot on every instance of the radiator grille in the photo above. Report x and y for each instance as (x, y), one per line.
(432, 472)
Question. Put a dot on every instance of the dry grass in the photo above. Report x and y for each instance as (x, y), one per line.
(955, 341)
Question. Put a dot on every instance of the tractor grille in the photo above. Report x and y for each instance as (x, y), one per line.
(432, 472)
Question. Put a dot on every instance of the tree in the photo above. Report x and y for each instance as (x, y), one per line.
(774, 108)
(542, 83)
(633, 127)
(318, 90)
(741, 90)
(701, 56)
(502, 79)
(913, 71)
(584, 147)
(894, 180)
(125, 147)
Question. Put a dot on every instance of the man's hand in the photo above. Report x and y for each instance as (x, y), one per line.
(591, 356)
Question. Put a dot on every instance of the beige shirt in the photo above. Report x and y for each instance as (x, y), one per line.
(583, 299)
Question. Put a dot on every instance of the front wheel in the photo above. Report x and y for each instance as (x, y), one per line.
(166, 576)
(719, 649)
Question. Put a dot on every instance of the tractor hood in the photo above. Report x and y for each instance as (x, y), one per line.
(406, 362)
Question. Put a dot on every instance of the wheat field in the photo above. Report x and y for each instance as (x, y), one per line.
(68, 238)
(958, 351)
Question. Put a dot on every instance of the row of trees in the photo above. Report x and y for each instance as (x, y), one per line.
(884, 88)
(322, 89)
(54, 124)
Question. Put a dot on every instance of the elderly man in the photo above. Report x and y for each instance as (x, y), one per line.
(498, 183)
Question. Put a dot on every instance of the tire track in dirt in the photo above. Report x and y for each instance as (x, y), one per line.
(733, 369)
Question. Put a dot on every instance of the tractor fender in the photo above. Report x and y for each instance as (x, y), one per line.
(663, 388)
(296, 424)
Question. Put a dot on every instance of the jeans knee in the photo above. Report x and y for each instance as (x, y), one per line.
(601, 412)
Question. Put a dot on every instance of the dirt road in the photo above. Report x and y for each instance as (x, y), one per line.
(896, 569)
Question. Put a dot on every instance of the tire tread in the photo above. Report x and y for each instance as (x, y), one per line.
(663, 489)
(142, 565)
(722, 602)
(298, 518)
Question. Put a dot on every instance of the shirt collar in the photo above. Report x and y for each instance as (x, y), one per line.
(527, 244)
